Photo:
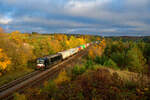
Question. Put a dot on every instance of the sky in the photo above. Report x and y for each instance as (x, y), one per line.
(100, 17)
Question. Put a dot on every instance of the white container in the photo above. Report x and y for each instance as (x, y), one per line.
(73, 51)
(65, 54)
(88, 44)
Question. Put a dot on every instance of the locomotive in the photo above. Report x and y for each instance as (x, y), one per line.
(48, 61)
(44, 62)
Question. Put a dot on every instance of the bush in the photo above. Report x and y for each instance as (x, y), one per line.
(18, 96)
(130, 84)
(50, 88)
(137, 61)
(119, 59)
(101, 84)
(78, 70)
(101, 60)
(89, 64)
(110, 63)
(62, 77)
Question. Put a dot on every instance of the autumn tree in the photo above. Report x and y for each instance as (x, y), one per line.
(60, 37)
(22, 52)
(136, 60)
(4, 60)
(97, 49)
(16, 36)
(74, 42)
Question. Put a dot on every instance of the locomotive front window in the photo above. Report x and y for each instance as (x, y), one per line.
(40, 61)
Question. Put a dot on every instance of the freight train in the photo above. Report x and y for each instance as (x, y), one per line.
(48, 61)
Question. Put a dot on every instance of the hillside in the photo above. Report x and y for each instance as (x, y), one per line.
(111, 71)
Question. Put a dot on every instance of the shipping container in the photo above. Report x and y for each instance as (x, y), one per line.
(79, 48)
(88, 44)
(83, 46)
(73, 51)
(65, 54)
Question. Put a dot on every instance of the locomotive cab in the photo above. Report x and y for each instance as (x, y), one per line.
(40, 63)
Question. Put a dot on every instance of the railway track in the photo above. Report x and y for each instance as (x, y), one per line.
(17, 81)
(34, 78)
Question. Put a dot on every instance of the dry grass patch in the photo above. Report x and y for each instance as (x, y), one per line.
(129, 76)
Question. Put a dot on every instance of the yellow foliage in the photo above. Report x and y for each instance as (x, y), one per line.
(55, 46)
(45, 83)
(16, 36)
(60, 37)
(74, 42)
(146, 89)
(18, 96)
(97, 50)
(26, 53)
(4, 60)
(62, 77)
(139, 91)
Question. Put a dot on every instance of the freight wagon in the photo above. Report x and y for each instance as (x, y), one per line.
(65, 54)
(83, 47)
(73, 51)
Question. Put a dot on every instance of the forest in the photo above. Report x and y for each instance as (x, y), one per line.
(117, 67)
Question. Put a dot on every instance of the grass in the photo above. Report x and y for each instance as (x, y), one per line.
(12, 75)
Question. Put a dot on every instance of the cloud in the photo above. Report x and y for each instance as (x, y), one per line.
(5, 20)
(104, 17)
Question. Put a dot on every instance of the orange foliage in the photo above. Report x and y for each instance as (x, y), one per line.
(16, 37)
(97, 49)
(4, 60)
(55, 46)
(60, 37)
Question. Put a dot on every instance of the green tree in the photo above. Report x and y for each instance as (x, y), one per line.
(136, 60)
(110, 63)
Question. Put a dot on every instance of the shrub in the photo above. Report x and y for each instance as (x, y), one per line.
(78, 70)
(62, 77)
(50, 88)
(101, 84)
(119, 59)
(137, 61)
(18, 96)
(110, 63)
(101, 60)
(130, 84)
(89, 64)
